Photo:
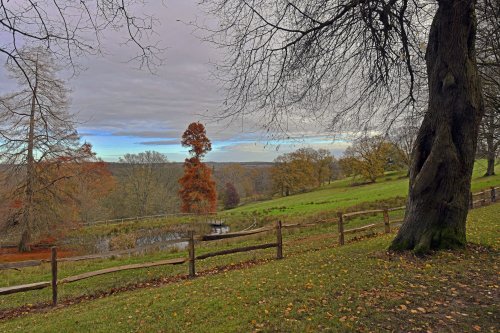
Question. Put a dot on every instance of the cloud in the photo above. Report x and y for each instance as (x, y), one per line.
(258, 151)
(87, 134)
(160, 142)
(122, 109)
(167, 134)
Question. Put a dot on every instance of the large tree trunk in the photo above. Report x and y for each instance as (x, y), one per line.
(443, 155)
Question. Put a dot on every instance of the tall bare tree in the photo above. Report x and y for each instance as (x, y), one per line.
(403, 138)
(37, 136)
(361, 61)
(143, 180)
(65, 30)
(488, 46)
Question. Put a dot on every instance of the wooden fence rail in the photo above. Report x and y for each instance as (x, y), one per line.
(397, 208)
(139, 218)
(234, 234)
(20, 264)
(278, 245)
(236, 250)
(24, 287)
(87, 275)
(364, 212)
(485, 197)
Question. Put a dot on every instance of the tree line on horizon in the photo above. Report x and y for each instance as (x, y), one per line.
(147, 183)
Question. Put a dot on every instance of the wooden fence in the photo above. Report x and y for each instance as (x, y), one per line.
(485, 197)
(191, 260)
(342, 219)
(146, 217)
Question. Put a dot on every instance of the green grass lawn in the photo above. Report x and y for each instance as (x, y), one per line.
(340, 195)
(317, 287)
(329, 197)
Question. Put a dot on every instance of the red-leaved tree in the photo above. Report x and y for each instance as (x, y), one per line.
(231, 197)
(198, 194)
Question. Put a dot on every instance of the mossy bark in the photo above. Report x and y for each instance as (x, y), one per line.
(490, 144)
(443, 155)
(490, 171)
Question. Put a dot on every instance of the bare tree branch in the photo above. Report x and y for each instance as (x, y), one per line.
(347, 63)
(72, 28)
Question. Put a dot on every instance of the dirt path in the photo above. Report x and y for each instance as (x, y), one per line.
(37, 253)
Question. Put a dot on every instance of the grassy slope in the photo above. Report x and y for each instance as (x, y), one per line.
(340, 194)
(327, 232)
(330, 197)
(323, 290)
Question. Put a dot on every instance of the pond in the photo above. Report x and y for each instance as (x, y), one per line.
(147, 238)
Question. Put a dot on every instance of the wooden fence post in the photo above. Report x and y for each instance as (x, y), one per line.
(493, 194)
(192, 271)
(471, 201)
(341, 228)
(53, 261)
(387, 224)
(279, 241)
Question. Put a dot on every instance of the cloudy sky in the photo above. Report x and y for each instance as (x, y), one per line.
(121, 109)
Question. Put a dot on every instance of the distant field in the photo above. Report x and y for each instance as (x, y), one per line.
(340, 194)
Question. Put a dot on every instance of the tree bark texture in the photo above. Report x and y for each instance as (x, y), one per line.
(490, 144)
(491, 165)
(443, 154)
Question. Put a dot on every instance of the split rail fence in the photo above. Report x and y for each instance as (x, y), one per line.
(145, 217)
(342, 219)
(191, 260)
(485, 197)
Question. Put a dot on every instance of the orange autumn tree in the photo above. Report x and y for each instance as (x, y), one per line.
(198, 194)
